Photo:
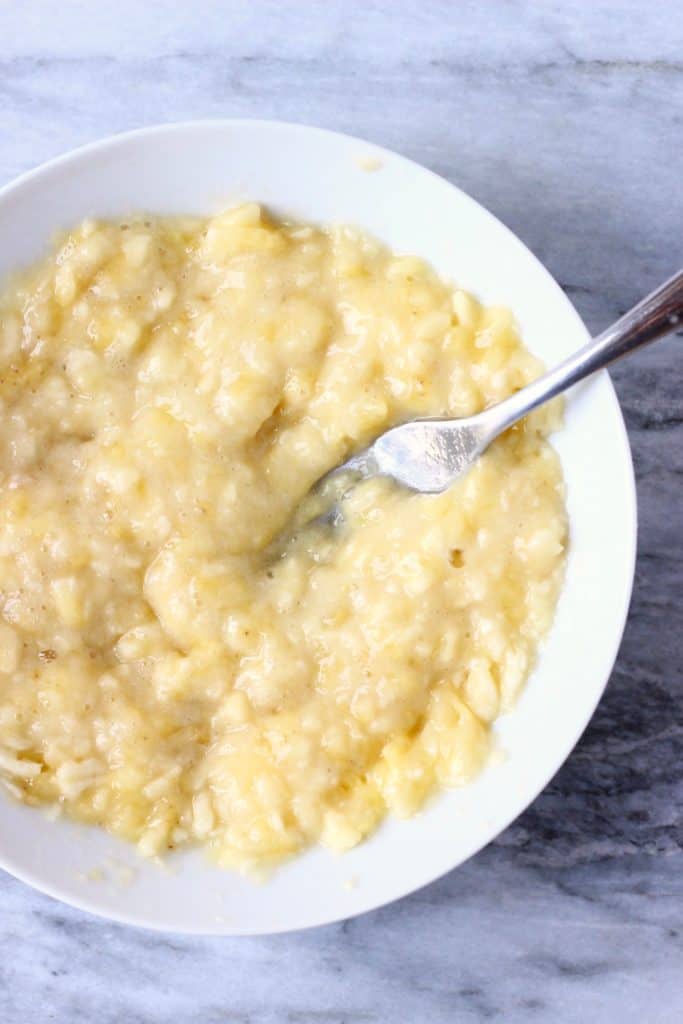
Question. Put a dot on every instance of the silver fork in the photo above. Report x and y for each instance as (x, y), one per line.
(428, 455)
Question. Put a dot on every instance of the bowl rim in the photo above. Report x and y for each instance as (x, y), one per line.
(110, 142)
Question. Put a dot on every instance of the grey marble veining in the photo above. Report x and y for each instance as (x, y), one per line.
(566, 122)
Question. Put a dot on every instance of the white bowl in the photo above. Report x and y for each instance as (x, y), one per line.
(318, 175)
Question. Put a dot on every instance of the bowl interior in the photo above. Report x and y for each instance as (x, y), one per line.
(316, 175)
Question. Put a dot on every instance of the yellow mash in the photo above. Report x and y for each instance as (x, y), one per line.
(169, 390)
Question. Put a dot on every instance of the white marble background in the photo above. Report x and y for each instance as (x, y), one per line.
(565, 119)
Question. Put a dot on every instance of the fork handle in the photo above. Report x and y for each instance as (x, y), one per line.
(658, 314)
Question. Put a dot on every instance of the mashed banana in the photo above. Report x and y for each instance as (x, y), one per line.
(169, 390)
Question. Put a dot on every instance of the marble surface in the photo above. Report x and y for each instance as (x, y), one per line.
(565, 120)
